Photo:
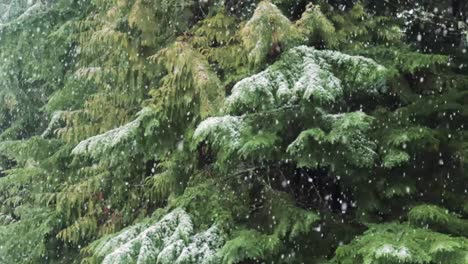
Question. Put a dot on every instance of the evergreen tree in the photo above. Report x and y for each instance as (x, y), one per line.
(274, 131)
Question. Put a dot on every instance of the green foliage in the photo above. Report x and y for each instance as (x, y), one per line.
(356, 28)
(290, 222)
(29, 151)
(302, 77)
(249, 245)
(35, 226)
(25, 84)
(398, 143)
(212, 203)
(346, 142)
(405, 60)
(144, 131)
(439, 219)
(401, 243)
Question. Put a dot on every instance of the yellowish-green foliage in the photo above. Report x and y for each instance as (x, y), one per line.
(219, 40)
(316, 27)
(189, 87)
(142, 17)
(268, 32)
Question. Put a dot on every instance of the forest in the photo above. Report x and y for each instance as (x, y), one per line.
(233, 131)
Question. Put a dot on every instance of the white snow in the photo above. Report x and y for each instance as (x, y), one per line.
(304, 73)
(227, 127)
(170, 240)
(97, 145)
(388, 250)
(54, 122)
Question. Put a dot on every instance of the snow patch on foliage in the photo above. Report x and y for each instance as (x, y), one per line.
(387, 250)
(18, 10)
(170, 240)
(222, 128)
(97, 145)
(304, 73)
(356, 72)
(202, 248)
(53, 124)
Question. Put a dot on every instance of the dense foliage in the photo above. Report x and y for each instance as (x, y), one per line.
(220, 131)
